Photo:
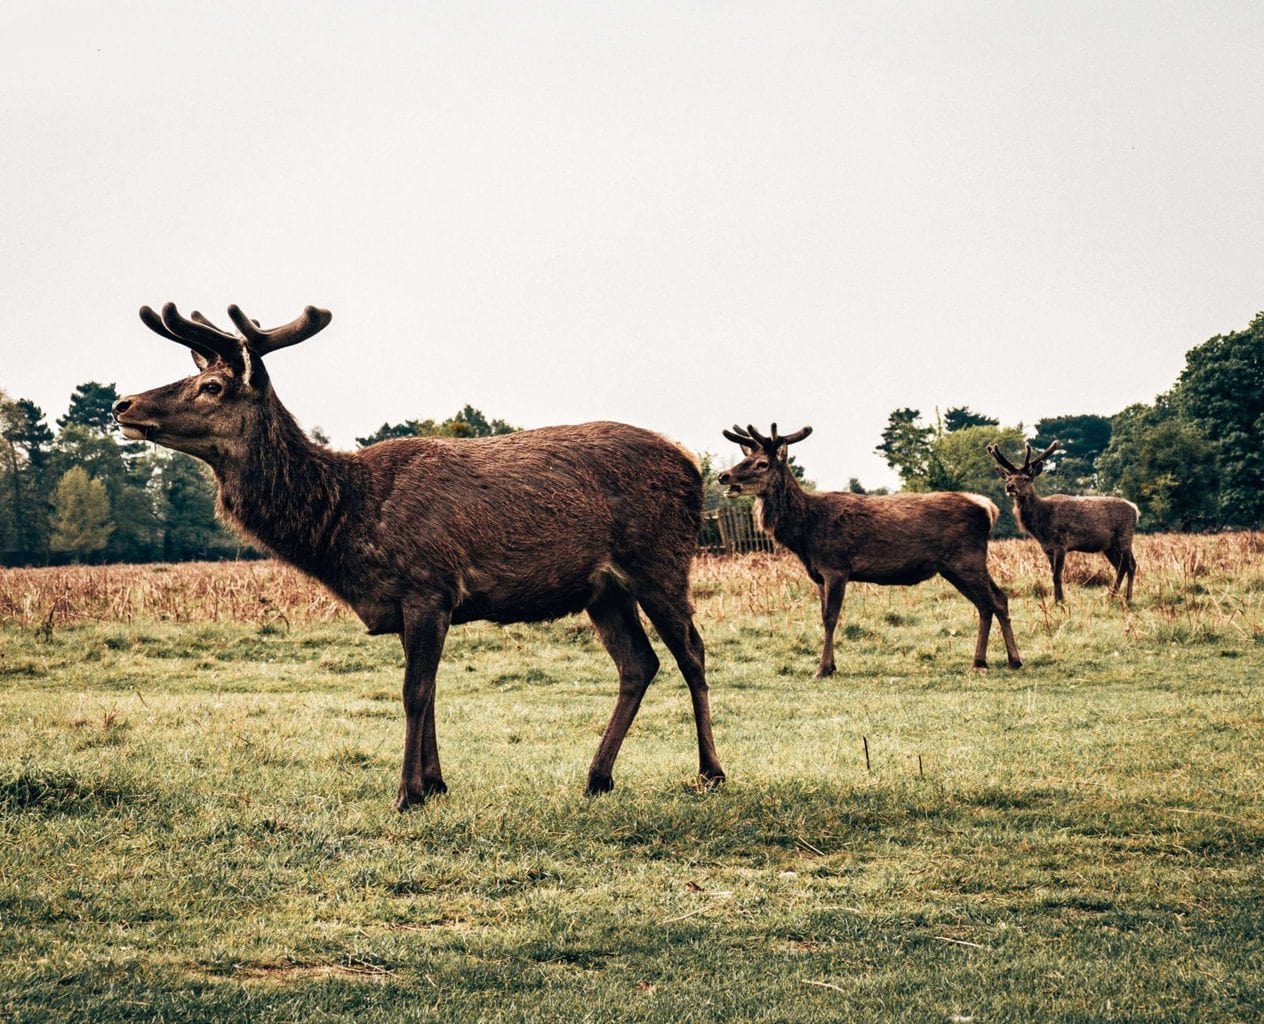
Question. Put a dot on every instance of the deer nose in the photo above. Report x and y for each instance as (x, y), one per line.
(122, 405)
(724, 477)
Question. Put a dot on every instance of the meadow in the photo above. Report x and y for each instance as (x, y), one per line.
(197, 765)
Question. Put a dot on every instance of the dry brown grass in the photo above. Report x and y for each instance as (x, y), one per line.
(255, 592)
(1215, 567)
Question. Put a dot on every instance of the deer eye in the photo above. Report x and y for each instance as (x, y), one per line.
(211, 387)
(761, 464)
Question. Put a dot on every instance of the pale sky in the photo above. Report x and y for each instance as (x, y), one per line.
(678, 215)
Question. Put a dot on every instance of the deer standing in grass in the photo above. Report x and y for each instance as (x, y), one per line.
(896, 539)
(419, 534)
(1062, 523)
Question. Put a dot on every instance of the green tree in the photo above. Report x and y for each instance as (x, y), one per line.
(468, 422)
(1073, 468)
(935, 459)
(187, 512)
(127, 473)
(24, 481)
(388, 432)
(1164, 464)
(471, 422)
(1221, 391)
(90, 406)
(959, 461)
(959, 417)
(856, 487)
(906, 445)
(81, 514)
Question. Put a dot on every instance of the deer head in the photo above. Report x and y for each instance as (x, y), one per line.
(765, 461)
(1018, 479)
(211, 414)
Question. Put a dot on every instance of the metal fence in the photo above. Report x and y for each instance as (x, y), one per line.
(731, 529)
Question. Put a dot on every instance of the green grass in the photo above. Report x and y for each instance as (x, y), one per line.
(196, 822)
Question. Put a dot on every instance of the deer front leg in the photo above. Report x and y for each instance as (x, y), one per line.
(425, 629)
(1056, 556)
(832, 590)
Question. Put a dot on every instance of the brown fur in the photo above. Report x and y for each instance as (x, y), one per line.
(1062, 523)
(421, 533)
(898, 539)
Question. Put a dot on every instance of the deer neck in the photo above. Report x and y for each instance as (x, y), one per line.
(1032, 512)
(783, 511)
(298, 499)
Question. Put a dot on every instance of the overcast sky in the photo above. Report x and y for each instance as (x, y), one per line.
(674, 214)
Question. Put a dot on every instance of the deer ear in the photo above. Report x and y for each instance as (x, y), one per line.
(1000, 472)
(200, 360)
(783, 452)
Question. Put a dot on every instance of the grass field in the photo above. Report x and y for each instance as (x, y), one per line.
(197, 766)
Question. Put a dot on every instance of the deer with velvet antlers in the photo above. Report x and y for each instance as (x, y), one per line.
(896, 539)
(1062, 523)
(420, 534)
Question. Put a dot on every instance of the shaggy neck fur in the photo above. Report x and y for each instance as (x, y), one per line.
(785, 511)
(297, 498)
(1029, 510)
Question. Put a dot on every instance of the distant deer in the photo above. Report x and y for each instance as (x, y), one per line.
(419, 534)
(897, 539)
(1061, 523)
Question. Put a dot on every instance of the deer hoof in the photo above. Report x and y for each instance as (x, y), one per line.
(598, 784)
(712, 777)
(980, 665)
(824, 672)
(1016, 663)
(412, 796)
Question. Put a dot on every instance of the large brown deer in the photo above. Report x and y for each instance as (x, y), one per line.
(897, 539)
(419, 534)
(1062, 523)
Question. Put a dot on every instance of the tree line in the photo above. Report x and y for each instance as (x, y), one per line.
(83, 493)
(1190, 460)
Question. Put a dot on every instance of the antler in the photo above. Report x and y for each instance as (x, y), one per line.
(302, 327)
(211, 342)
(199, 334)
(1034, 466)
(995, 451)
(798, 435)
(750, 437)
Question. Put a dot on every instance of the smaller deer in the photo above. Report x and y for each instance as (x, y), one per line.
(894, 540)
(1062, 523)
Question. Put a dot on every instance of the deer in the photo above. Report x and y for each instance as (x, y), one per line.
(891, 540)
(417, 535)
(1062, 523)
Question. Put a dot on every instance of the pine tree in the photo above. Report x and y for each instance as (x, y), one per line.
(81, 514)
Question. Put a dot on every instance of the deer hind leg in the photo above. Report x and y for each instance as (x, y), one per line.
(833, 588)
(1132, 572)
(1119, 562)
(672, 617)
(615, 618)
(424, 633)
(978, 591)
(1000, 605)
